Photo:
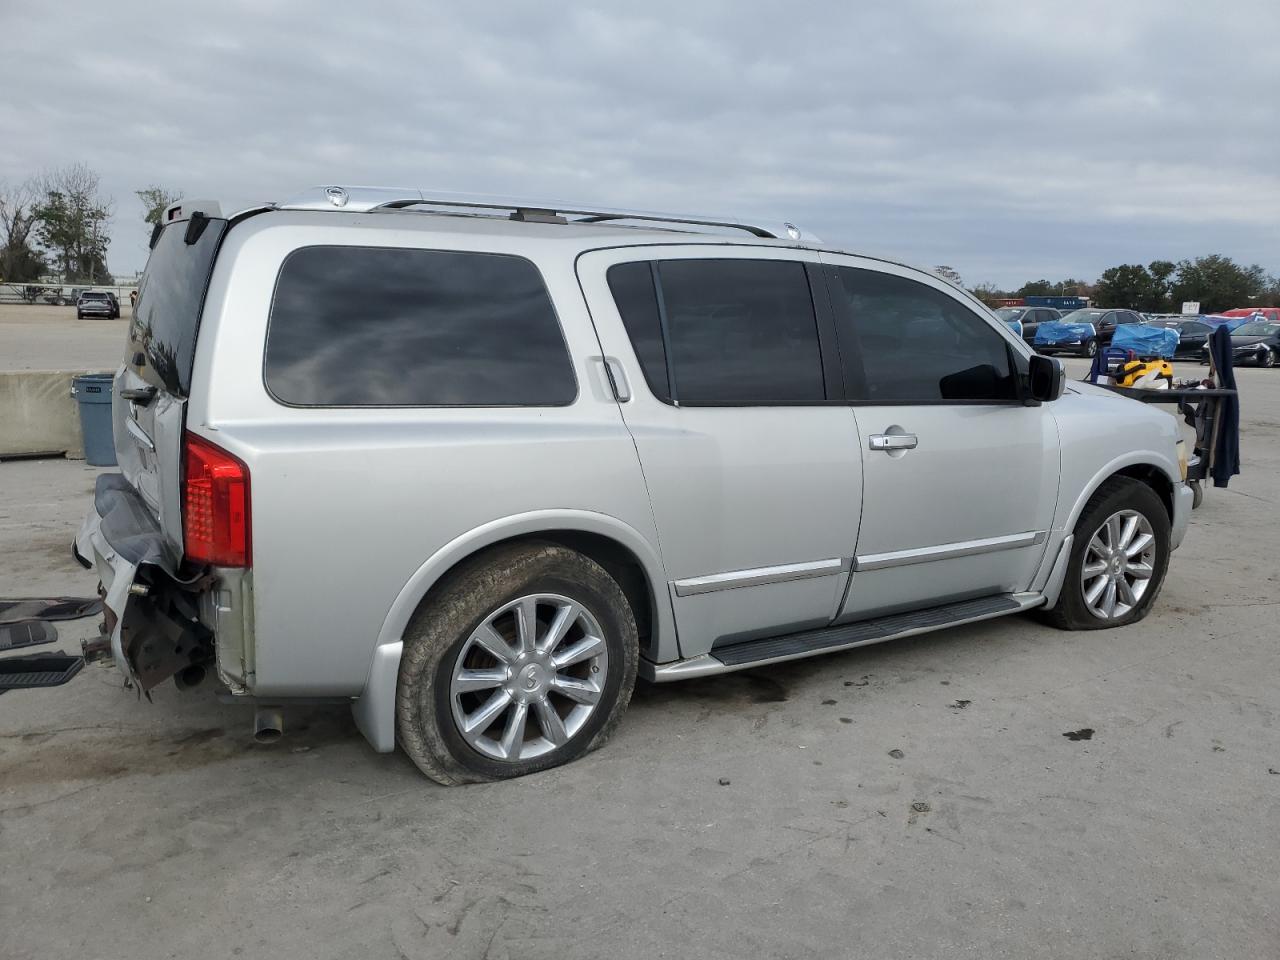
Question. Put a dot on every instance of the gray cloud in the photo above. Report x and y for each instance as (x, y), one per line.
(1007, 139)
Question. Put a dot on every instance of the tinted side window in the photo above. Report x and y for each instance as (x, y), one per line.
(917, 344)
(370, 326)
(741, 332)
(632, 286)
(1125, 317)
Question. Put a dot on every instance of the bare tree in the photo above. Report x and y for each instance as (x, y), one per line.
(18, 261)
(73, 221)
(156, 199)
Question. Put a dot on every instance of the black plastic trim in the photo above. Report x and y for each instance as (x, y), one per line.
(864, 631)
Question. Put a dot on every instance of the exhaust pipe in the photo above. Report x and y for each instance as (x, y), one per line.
(268, 724)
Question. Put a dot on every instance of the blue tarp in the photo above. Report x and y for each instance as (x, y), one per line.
(1055, 331)
(1145, 340)
(1230, 323)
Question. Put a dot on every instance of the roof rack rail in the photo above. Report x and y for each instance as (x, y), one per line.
(365, 199)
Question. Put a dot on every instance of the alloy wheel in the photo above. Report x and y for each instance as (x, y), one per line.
(529, 677)
(1118, 565)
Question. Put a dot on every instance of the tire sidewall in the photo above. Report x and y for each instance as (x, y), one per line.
(1112, 497)
(425, 693)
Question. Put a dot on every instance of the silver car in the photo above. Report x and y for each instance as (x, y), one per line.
(474, 464)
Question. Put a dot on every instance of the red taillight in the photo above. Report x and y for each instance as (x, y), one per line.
(215, 505)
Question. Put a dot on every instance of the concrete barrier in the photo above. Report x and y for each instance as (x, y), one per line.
(38, 413)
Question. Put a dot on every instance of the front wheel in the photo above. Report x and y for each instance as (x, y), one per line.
(524, 659)
(1267, 359)
(1091, 348)
(1118, 558)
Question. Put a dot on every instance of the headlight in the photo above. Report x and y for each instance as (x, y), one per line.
(1182, 459)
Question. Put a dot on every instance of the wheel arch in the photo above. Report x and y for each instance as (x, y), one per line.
(615, 545)
(1144, 466)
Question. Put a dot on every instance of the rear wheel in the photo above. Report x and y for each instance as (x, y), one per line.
(524, 660)
(1118, 559)
(1091, 348)
(1267, 359)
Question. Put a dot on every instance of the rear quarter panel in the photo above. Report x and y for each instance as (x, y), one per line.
(349, 504)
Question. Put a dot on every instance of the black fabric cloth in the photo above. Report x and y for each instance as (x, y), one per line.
(1226, 452)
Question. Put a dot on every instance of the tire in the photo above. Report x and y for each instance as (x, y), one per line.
(1116, 496)
(1267, 359)
(441, 641)
(79, 315)
(1091, 348)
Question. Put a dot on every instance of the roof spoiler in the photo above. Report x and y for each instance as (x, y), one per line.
(185, 210)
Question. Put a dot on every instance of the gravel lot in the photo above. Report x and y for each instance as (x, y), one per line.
(140, 830)
(44, 337)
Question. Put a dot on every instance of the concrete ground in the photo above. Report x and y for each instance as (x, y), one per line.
(760, 814)
(45, 337)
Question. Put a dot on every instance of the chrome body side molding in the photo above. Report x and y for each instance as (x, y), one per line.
(947, 551)
(759, 576)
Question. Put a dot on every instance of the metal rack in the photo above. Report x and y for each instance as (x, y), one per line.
(366, 199)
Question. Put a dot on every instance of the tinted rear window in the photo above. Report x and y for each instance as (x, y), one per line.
(373, 326)
(170, 298)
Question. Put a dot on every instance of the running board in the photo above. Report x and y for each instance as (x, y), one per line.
(38, 670)
(756, 653)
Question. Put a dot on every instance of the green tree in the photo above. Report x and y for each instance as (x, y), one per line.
(1162, 278)
(1130, 285)
(1037, 288)
(19, 262)
(72, 224)
(156, 199)
(1218, 283)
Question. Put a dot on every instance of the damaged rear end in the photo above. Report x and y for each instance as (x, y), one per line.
(170, 534)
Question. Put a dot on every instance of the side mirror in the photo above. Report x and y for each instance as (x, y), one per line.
(1046, 378)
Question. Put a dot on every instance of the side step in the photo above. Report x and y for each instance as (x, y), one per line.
(38, 670)
(753, 653)
(26, 633)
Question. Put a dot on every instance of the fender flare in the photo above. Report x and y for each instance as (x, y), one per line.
(374, 709)
(1134, 458)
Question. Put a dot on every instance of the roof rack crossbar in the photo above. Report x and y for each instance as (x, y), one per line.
(365, 199)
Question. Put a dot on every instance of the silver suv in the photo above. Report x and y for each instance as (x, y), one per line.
(474, 464)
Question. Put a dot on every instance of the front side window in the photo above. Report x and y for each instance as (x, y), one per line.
(375, 326)
(724, 331)
(916, 344)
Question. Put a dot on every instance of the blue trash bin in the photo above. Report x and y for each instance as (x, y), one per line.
(93, 395)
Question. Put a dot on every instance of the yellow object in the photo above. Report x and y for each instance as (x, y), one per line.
(1131, 372)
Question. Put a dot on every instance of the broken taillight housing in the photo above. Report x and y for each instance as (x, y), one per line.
(215, 505)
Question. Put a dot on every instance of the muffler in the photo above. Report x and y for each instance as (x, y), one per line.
(268, 724)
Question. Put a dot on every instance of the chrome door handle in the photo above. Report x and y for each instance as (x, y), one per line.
(892, 441)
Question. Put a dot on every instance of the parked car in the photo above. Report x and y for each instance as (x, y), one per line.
(1028, 318)
(97, 303)
(1076, 337)
(1256, 343)
(1192, 336)
(1270, 314)
(61, 296)
(555, 454)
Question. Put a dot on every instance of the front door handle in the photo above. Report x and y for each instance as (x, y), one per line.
(892, 441)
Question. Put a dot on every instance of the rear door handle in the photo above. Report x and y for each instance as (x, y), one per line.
(892, 441)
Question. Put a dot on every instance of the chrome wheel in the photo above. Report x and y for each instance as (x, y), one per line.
(1118, 565)
(528, 677)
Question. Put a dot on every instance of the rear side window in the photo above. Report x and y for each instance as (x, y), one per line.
(375, 326)
(916, 344)
(723, 332)
(162, 334)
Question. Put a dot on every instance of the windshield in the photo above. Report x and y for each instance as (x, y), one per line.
(1163, 323)
(170, 298)
(1255, 330)
(1009, 314)
(93, 296)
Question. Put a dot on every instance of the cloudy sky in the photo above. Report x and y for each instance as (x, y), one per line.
(1011, 140)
